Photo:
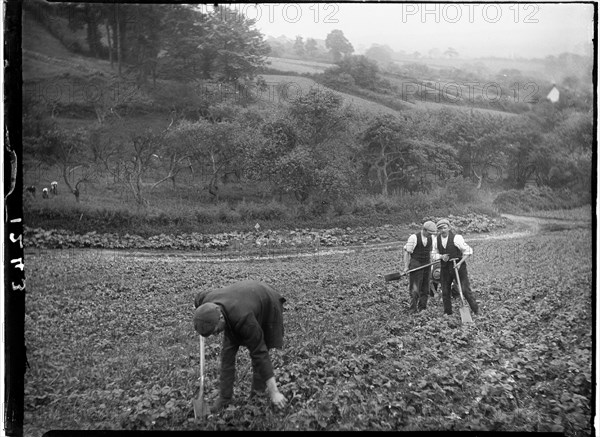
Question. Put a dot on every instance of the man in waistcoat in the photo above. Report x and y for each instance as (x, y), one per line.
(417, 252)
(251, 315)
(447, 246)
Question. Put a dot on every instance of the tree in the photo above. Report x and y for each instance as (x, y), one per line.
(481, 144)
(568, 153)
(184, 29)
(216, 147)
(177, 156)
(277, 138)
(451, 52)
(524, 138)
(295, 167)
(92, 16)
(402, 153)
(311, 46)
(319, 116)
(104, 148)
(338, 45)
(308, 151)
(145, 41)
(380, 54)
(107, 104)
(66, 149)
(384, 149)
(221, 44)
(363, 70)
(299, 46)
(296, 173)
(86, 16)
(139, 156)
(480, 139)
(233, 50)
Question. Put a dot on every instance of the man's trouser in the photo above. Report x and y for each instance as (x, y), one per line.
(418, 288)
(228, 372)
(446, 279)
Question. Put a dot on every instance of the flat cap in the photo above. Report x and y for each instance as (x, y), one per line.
(206, 318)
(199, 298)
(429, 226)
(443, 222)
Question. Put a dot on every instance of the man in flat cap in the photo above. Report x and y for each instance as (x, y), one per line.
(250, 313)
(447, 246)
(417, 253)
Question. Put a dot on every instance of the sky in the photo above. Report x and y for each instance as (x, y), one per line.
(529, 30)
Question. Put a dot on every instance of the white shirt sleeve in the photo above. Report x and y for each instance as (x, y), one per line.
(411, 243)
(459, 242)
(435, 255)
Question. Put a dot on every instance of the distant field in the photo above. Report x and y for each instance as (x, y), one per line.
(432, 101)
(298, 85)
(493, 66)
(298, 66)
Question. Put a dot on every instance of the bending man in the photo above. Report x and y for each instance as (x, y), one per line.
(251, 314)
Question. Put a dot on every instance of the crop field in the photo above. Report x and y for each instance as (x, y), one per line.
(298, 65)
(110, 342)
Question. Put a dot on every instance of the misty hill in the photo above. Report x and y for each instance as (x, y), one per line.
(565, 69)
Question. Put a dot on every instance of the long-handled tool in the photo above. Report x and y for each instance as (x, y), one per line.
(200, 406)
(465, 310)
(397, 275)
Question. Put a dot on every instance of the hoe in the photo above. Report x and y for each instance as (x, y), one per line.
(200, 405)
(397, 275)
(465, 311)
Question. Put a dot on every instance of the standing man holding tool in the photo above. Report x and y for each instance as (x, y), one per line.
(417, 253)
(251, 314)
(448, 246)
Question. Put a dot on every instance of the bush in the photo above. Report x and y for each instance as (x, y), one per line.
(302, 213)
(537, 199)
(205, 216)
(340, 207)
(255, 211)
(378, 203)
(227, 215)
(461, 189)
(274, 211)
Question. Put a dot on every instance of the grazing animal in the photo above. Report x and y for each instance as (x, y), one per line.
(54, 187)
(45, 193)
(31, 190)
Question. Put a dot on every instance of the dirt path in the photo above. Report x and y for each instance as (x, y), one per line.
(524, 226)
(536, 225)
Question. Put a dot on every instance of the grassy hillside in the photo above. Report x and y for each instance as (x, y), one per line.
(437, 95)
(298, 85)
(75, 89)
(297, 66)
(45, 57)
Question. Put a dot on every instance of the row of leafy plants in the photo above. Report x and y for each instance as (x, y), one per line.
(266, 240)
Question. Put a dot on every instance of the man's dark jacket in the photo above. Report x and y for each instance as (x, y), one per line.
(253, 314)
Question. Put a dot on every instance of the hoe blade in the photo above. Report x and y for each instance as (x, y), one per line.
(200, 408)
(465, 314)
